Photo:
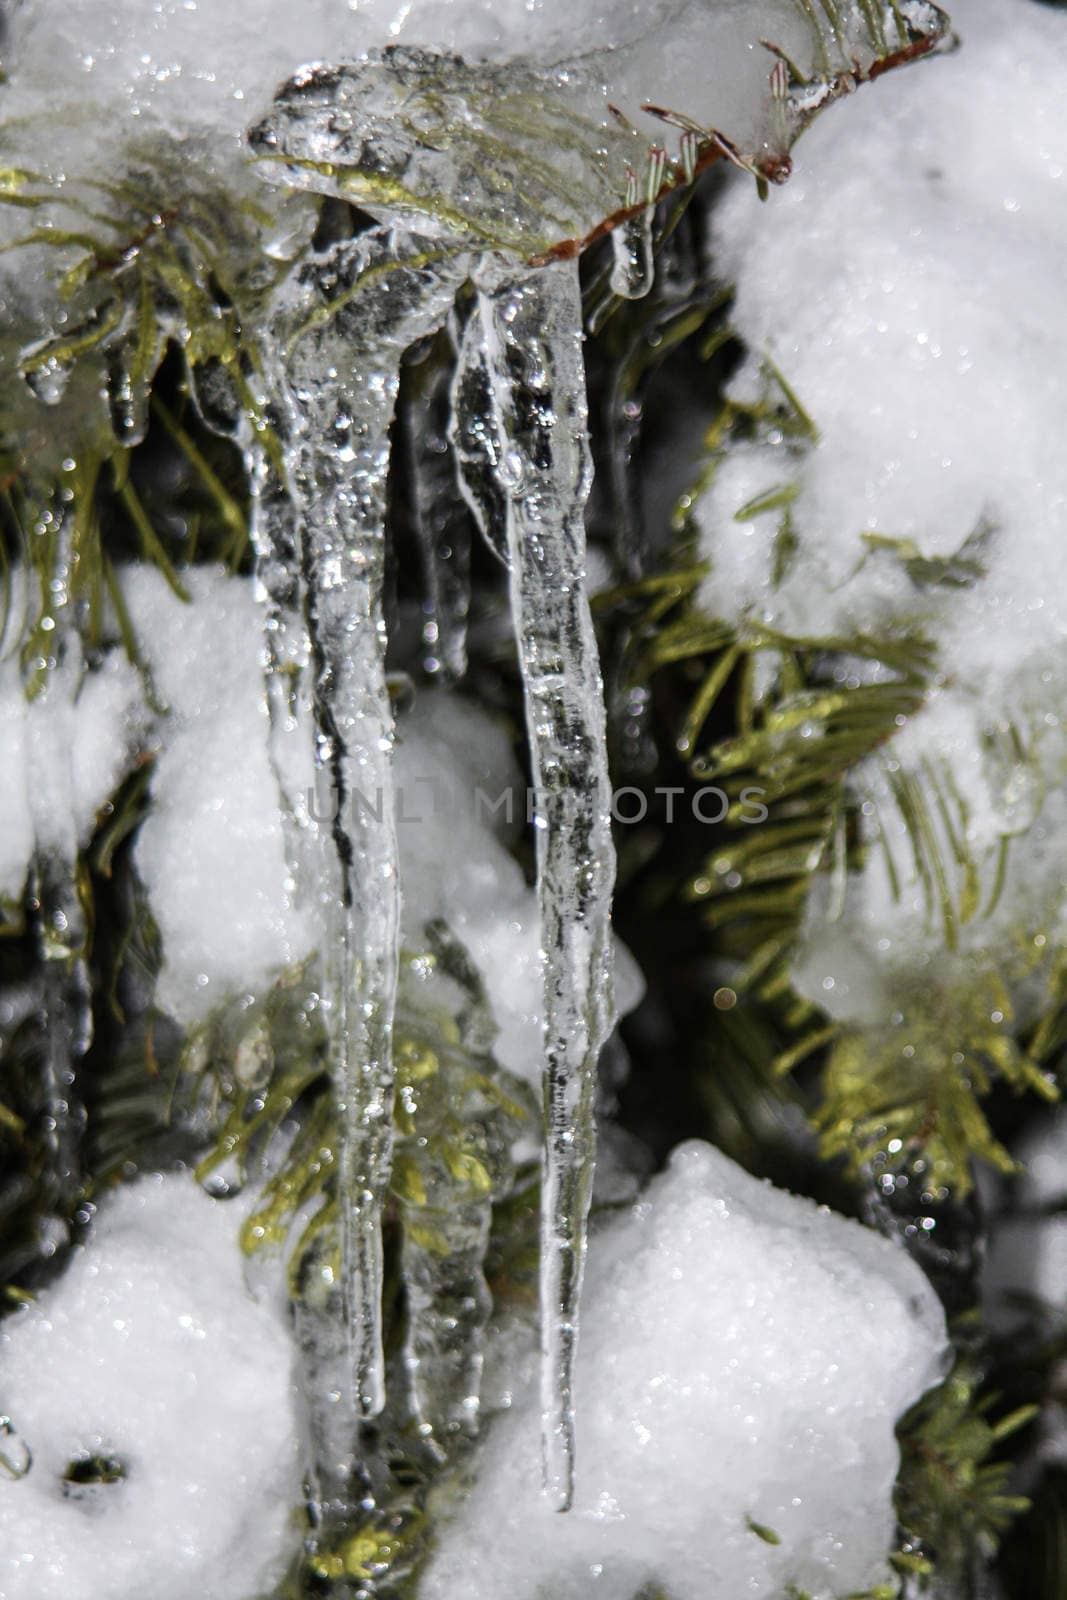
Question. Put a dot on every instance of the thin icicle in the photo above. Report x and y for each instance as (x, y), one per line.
(443, 535)
(476, 440)
(448, 1306)
(344, 322)
(446, 1222)
(60, 920)
(276, 539)
(531, 323)
(633, 268)
(680, 278)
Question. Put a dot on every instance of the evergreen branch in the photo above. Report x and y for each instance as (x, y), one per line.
(952, 1497)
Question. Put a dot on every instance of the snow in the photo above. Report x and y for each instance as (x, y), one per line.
(214, 839)
(744, 1357)
(912, 300)
(98, 729)
(211, 850)
(16, 823)
(109, 721)
(916, 366)
(214, 833)
(150, 1350)
(460, 806)
(908, 284)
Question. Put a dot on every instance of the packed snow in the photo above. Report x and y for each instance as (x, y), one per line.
(149, 1354)
(211, 850)
(92, 720)
(744, 1357)
(909, 286)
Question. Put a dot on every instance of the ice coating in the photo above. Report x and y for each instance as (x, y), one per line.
(138, 89)
(63, 753)
(712, 1397)
(58, 776)
(276, 538)
(202, 68)
(444, 539)
(541, 155)
(209, 1458)
(632, 268)
(475, 440)
(60, 923)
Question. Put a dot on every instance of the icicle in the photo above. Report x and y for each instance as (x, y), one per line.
(475, 440)
(445, 1223)
(275, 533)
(532, 328)
(637, 345)
(448, 1305)
(441, 526)
(633, 268)
(62, 927)
(344, 322)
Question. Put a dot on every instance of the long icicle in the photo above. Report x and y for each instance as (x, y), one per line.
(345, 321)
(61, 922)
(532, 323)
